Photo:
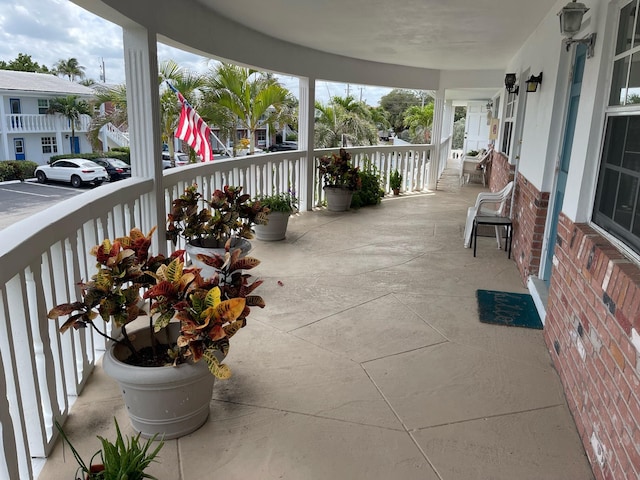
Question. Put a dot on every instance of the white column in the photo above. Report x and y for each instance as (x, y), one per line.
(306, 126)
(3, 129)
(436, 139)
(143, 110)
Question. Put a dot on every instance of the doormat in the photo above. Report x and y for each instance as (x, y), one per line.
(506, 308)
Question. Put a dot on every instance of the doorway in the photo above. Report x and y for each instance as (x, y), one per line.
(565, 158)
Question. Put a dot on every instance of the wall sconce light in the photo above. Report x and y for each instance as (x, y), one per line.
(571, 23)
(533, 82)
(66, 136)
(571, 18)
(489, 106)
(510, 83)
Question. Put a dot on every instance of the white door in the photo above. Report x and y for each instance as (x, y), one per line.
(476, 135)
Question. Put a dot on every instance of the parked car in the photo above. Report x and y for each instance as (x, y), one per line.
(179, 159)
(116, 168)
(280, 147)
(75, 171)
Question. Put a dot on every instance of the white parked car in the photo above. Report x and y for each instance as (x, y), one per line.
(75, 171)
(179, 159)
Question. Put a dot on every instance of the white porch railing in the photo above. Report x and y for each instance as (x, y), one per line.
(43, 258)
(35, 123)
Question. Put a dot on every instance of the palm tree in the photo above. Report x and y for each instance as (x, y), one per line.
(70, 68)
(71, 108)
(253, 97)
(114, 99)
(419, 120)
(343, 121)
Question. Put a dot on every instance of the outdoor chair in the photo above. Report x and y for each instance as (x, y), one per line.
(474, 167)
(487, 204)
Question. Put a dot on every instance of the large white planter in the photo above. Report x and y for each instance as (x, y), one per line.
(275, 230)
(338, 198)
(207, 271)
(169, 401)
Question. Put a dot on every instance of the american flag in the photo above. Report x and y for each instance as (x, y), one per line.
(192, 129)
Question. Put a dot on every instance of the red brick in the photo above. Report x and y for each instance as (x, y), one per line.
(617, 355)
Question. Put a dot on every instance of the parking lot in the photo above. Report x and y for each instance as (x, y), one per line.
(18, 200)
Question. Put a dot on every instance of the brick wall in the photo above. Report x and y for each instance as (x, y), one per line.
(499, 171)
(530, 213)
(592, 315)
(529, 216)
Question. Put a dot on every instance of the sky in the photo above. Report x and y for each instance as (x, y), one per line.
(53, 30)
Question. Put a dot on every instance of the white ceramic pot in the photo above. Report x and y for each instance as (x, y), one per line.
(207, 271)
(169, 401)
(338, 198)
(275, 230)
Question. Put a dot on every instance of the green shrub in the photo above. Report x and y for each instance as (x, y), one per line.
(16, 170)
(371, 192)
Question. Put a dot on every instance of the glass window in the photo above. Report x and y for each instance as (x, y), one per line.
(509, 112)
(616, 207)
(49, 145)
(43, 106)
(625, 28)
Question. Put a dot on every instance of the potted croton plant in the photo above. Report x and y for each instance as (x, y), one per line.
(281, 206)
(206, 225)
(340, 178)
(166, 367)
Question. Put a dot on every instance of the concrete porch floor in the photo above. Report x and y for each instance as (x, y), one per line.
(369, 362)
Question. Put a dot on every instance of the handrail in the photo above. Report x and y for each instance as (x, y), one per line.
(42, 260)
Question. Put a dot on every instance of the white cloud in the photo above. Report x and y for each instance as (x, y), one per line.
(51, 30)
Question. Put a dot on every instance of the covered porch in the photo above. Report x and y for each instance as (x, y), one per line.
(331, 382)
(369, 362)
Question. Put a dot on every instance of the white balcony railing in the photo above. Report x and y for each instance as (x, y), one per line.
(25, 123)
(43, 258)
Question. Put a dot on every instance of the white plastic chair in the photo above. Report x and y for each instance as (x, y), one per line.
(474, 166)
(487, 204)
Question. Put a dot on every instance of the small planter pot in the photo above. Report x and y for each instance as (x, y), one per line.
(94, 470)
(205, 249)
(396, 191)
(338, 198)
(169, 401)
(275, 230)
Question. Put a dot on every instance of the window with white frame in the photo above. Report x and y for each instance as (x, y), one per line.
(261, 135)
(43, 106)
(617, 202)
(49, 145)
(509, 120)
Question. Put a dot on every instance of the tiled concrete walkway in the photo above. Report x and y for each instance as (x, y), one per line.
(369, 362)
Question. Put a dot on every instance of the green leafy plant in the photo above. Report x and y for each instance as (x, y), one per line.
(210, 311)
(285, 202)
(126, 458)
(370, 192)
(336, 171)
(212, 222)
(395, 180)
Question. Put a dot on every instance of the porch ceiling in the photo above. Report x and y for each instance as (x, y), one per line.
(435, 34)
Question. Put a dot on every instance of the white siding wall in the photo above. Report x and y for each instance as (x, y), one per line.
(545, 110)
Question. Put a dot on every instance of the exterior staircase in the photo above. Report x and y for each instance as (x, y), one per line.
(111, 136)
